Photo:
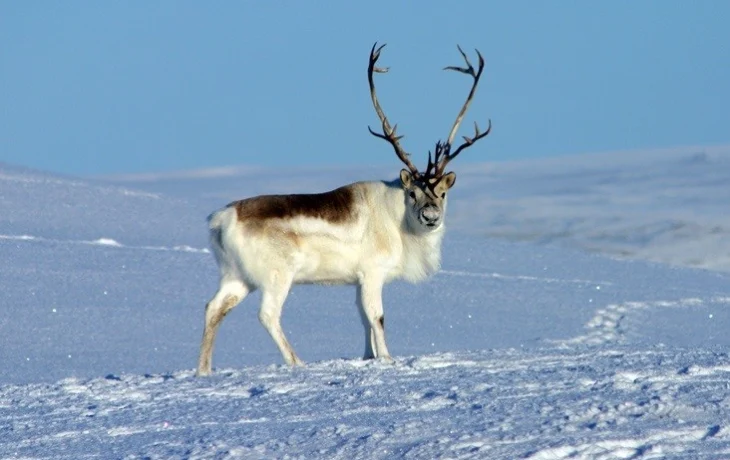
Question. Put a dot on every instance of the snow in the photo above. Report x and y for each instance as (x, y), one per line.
(617, 403)
(529, 343)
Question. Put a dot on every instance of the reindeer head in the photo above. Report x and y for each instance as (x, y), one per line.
(425, 193)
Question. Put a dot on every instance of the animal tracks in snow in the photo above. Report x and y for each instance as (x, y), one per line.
(611, 324)
(620, 322)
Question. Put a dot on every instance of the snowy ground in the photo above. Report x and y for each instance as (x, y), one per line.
(542, 404)
(514, 350)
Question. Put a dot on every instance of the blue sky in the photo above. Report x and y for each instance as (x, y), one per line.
(125, 87)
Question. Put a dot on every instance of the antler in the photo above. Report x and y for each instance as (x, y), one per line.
(389, 134)
(442, 155)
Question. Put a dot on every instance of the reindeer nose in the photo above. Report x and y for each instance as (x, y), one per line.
(430, 213)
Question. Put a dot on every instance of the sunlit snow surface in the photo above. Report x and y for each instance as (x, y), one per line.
(516, 349)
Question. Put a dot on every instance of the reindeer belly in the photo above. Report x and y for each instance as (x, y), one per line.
(325, 260)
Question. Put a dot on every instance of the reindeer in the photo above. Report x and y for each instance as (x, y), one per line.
(365, 234)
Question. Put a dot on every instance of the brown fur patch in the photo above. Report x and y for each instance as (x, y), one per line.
(335, 206)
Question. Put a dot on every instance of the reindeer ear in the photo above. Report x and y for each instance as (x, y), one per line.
(446, 182)
(406, 178)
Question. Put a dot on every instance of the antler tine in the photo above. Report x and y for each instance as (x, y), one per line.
(469, 69)
(389, 134)
(432, 168)
(446, 148)
(468, 142)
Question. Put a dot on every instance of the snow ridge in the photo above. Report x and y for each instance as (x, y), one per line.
(108, 242)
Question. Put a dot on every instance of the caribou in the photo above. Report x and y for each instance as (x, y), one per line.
(364, 234)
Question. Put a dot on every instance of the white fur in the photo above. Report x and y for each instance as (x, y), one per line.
(384, 242)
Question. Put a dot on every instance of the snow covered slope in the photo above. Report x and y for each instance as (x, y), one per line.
(539, 351)
(43, 205)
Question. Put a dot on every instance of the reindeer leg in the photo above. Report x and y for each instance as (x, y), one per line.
(371, 303)
(369, 336)
(272, 301)
(230, 293)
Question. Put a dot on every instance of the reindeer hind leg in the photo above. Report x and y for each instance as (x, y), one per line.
(230, 293)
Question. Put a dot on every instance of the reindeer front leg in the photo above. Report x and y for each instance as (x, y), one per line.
(370, 301)
(369, 338)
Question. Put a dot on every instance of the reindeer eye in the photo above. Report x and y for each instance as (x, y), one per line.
(412, 194)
